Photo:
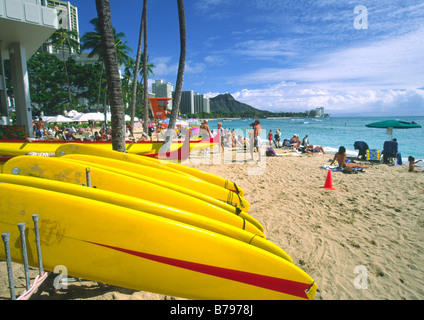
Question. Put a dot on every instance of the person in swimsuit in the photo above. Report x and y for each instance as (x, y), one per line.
(341, 155)
(257, 130)
(412, 163)
(316, 149)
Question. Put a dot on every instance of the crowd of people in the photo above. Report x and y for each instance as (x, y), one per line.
(252, 140)
(70, 132)
(91, 131)
(229, 138)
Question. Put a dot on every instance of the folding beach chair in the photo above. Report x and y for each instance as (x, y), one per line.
(390, 152)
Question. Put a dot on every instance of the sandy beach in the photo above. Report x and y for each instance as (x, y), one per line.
(363, 240)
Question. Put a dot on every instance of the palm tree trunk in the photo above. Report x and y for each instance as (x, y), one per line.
(100, 87)
(105, 108)
(137, 65)
(146, 85)
(112, 74)
(67, 77)
(180, 77)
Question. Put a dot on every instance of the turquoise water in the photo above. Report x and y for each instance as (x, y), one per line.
(331, 133)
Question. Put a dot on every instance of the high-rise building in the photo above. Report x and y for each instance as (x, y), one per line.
(67, 19)
(187, 102)
(163, 90)
(190, 102)
(201, 103)
(319, 112)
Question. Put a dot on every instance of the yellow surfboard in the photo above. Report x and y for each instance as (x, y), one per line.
(111, 244)
(182, 183)
(148, 207)
(16, 148)
(74, 148)
(73, 172)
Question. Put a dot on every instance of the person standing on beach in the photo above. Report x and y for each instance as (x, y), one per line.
(277, 137)
(257, 143)
(221, 136)
(40, 129)
(270, 136)
(204, 128)
(305, 141)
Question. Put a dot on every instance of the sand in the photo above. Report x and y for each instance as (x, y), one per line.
(362, 241)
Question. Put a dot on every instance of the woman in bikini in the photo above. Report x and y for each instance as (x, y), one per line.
(341, 155)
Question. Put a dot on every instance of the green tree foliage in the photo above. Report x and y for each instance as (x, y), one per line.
(48, 84)
(65, 40)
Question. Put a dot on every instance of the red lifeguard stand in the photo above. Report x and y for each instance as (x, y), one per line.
(159, 107)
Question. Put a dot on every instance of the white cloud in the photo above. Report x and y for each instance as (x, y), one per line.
(392, 63)
(167, 66)
(381, 77)
(300, 97)
(164, 66)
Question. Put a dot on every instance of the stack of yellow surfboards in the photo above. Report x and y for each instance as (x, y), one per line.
(144, 224)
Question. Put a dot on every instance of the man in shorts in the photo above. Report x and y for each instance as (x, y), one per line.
(40, 129)
(257, 142)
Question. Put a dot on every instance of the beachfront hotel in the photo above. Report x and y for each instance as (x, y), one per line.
(67, 19)
(191, 102)
(24, 26)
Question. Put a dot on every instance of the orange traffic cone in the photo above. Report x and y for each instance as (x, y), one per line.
(328, 182)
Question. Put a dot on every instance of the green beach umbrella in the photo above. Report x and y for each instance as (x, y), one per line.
(393, 124)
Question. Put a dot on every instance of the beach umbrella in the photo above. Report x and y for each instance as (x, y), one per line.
(94, 116)
(72, 113)
(179, 122)
(389, 125)
(59, 118)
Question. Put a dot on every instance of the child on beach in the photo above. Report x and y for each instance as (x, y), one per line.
(412, 163)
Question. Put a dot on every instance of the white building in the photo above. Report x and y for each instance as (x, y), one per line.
(24, 26)
(201, 103)
(67, 19)
(163, 90)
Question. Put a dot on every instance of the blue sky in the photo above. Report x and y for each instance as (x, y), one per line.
(287, 55)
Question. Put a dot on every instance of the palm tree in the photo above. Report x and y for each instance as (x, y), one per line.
(137, 65)
(112, 74)
(180, 76)
(63, 39)
(129, 80)
(145, 70)
(93, 41)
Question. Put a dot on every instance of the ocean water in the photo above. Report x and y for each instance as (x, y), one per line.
(333, 132)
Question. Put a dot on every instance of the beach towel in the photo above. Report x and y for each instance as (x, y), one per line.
(340, 169)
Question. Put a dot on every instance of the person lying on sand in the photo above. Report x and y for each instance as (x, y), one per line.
(341, 155)
(316, 149)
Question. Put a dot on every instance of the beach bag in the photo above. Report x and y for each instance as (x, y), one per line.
(270, 152)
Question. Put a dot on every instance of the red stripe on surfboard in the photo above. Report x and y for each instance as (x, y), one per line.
(293, 288)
